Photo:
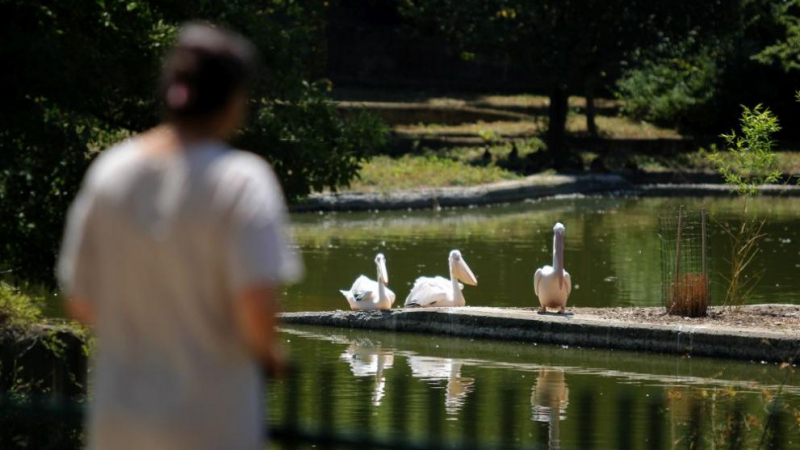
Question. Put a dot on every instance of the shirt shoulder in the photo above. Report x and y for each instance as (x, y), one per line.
(108, 165)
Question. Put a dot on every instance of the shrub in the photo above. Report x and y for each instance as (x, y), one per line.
(748, 163)
(18, 309)
(311, 147)
(675, 89)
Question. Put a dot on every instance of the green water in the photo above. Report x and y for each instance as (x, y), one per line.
(556, 397)
(612, 250)
(528, 395)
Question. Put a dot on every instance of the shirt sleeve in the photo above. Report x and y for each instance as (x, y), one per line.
(77, 256)
(260, 250)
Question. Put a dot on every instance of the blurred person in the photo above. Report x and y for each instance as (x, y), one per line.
(174, 252)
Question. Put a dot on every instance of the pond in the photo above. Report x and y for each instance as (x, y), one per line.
(612, 249)
(524, 394)
(405, 386)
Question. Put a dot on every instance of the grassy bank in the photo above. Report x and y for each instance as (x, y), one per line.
(462, 139)
(383, 173)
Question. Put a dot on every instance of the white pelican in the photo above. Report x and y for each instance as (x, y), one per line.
(553, 284)
(368, 295)
(439, 291)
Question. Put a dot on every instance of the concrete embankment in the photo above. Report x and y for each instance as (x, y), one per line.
(573, 330)
(532, 187)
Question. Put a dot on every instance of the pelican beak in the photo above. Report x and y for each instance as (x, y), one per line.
(384, 274)
(464, 273)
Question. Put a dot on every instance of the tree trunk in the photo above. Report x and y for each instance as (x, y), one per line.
(557, 126)
(591, 113)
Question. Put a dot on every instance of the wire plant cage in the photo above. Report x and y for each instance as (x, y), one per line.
(685, 262)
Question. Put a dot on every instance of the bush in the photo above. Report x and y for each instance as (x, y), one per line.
(18, 309)
(311, 147)
(673, 90)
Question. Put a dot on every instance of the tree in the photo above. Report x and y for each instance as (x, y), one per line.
(83, 74)
(785, 51)
(564, 44)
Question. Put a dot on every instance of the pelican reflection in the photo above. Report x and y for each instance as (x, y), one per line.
(549, 400)
(368, 359)
(435, 369)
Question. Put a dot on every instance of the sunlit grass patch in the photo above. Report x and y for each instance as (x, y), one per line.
(610, 127)
(383, 173)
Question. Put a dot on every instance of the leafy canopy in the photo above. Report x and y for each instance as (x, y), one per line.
(84, 75)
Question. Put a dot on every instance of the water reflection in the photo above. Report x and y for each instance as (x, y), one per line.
(618, 397)
(437, 369)
(368, 359)
(549, 401)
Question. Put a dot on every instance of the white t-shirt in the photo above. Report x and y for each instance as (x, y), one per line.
(161, 244)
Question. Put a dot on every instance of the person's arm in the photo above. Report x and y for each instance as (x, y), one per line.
(80, 309)
(255, 313)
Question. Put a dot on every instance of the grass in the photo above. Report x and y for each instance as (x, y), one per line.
(610, 127)
(382, 173)
(470, 166)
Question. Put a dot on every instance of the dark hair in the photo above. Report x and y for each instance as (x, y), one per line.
(205, 68)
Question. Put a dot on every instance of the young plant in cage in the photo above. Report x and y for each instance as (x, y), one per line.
(748, 163)
(684, 262)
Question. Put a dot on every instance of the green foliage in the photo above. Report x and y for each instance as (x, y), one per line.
(748, 163)
(751, 162)
(18, 309)
(784, 52)
(675, 89)
(310, 146)
(85, 74)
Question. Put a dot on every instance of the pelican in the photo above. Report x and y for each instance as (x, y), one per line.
(439, 291)
(553, 284)
(368, 295)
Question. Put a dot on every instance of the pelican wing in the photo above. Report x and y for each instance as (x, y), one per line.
(364, 289)
(428, 291)
(567, 282)
(537, 278)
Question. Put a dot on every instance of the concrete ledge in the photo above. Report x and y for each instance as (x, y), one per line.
(528, 326)
(529, 188)
(532, 187)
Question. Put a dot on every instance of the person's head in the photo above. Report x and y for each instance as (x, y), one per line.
(206, 80)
